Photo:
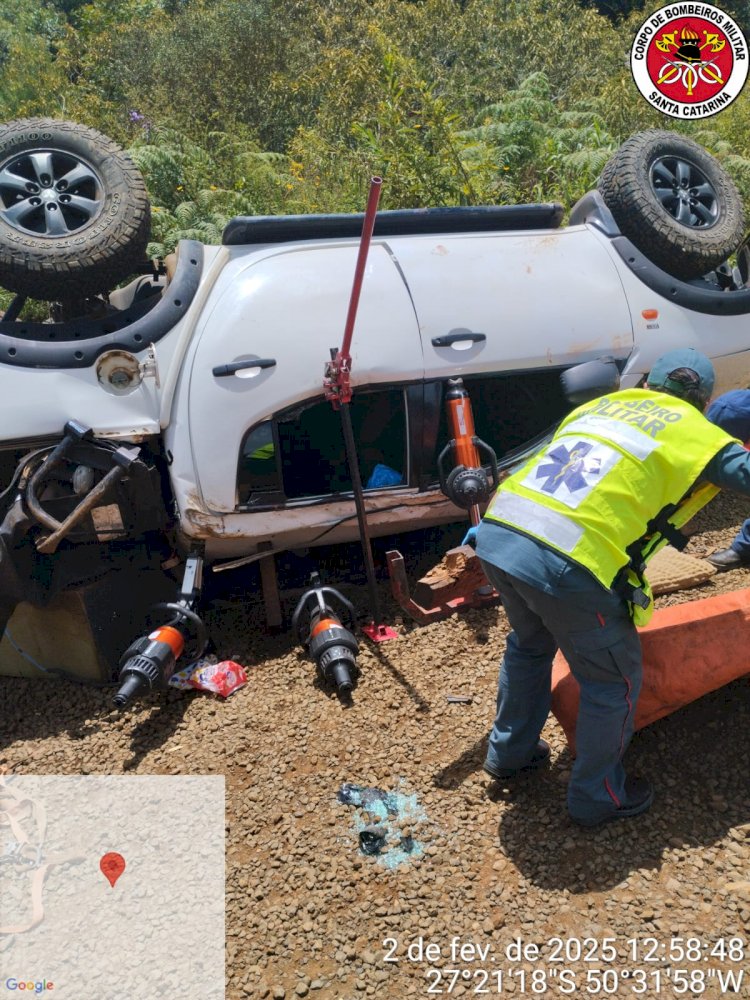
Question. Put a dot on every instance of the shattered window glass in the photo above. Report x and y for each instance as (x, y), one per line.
(301, 453)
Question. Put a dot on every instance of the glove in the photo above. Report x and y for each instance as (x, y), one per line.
(470, 538)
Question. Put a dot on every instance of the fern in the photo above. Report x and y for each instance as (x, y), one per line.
(196, 189)
(544, 150)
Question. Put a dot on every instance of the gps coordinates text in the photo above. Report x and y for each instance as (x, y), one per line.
(569, 966)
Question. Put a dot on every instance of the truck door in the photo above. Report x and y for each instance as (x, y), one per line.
(286, 308)
(507, 312)
(520, 301)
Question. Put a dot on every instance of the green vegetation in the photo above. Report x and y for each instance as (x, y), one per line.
(267, 106)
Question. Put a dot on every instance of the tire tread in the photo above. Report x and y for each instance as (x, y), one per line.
(99, 262)
(625, 188)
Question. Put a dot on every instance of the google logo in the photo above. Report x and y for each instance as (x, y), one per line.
(38, 987)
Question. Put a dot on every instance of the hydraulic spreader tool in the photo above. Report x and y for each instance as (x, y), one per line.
(150, 661)
(321, 630)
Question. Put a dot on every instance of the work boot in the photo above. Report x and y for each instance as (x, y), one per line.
(538, 759)
(638, 798)
(727, 559)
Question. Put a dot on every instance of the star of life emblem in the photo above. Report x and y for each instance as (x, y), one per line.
(571, 468)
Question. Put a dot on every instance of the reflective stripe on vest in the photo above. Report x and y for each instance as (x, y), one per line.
(627, 438)
(556, 529)
(612, 467)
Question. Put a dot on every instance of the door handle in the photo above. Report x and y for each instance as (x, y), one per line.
(221, 371)
(453, 338)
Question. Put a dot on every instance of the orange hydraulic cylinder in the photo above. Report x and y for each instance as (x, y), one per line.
(323, 624)
(461, 421)
(172, 637)
(688, 650)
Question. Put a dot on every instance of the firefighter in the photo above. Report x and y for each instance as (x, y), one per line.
(731, 412)
(565, 541)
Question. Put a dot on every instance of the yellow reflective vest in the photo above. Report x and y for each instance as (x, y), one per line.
(613, 484)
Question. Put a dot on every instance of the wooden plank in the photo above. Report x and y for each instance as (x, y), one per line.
(270, 586)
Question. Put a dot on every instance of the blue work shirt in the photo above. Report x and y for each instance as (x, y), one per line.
(546, 569)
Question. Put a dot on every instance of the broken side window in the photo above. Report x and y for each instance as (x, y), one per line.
(259, 467)
(301, 452)
(510, 409)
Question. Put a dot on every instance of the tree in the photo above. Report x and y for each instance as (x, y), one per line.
(615, 10)
(544, 150)
(209, 66)
(32, 79)
(378, 114)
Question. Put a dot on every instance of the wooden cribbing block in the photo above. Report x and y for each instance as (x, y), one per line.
(458, 574)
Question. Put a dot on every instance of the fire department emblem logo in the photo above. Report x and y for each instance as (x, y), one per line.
(689, 60)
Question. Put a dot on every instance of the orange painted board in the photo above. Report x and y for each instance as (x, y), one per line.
(688, 650)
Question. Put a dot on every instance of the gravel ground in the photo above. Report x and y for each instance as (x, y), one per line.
(307, 912)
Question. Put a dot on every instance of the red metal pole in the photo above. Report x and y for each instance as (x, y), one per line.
(359, 270)
(337, 388)
(338, 391)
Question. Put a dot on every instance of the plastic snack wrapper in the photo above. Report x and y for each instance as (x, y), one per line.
(206, 674)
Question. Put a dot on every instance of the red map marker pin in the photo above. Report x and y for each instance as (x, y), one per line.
(112, 866)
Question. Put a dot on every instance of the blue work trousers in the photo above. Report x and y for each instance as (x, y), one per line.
(741, 543)
(597, 637)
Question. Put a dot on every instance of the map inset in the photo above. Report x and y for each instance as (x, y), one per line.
(77, 923)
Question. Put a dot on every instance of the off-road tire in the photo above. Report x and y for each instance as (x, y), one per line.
(683, 250)
(95, 254)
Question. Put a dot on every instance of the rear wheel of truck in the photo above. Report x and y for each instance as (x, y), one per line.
(674, 201)
(74, 213)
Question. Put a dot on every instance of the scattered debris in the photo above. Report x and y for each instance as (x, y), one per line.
(390, 839)
(372, 839)
(459, 699)
(372, 799)
(222, 678)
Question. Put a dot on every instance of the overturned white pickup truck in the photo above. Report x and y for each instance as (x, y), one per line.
(191, 400)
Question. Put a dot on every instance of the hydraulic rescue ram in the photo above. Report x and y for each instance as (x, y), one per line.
(467, 485)
(321, 630)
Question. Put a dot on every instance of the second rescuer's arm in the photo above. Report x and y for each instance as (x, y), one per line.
(730, 469)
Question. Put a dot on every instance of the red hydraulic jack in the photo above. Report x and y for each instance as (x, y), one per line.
(466, 485)
(338, 390)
